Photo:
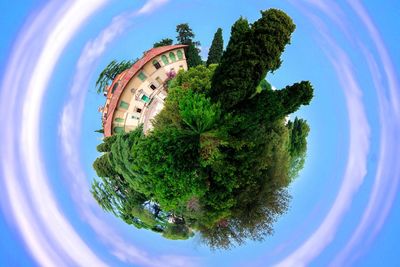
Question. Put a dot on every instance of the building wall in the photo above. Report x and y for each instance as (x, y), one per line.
(136, 88)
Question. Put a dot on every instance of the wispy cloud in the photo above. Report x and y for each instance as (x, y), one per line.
(150, 6)
(69, 130)
(356, 166)
(47, 233)
(29, 199)
(387, 179)
(333, 11)
(387, 176)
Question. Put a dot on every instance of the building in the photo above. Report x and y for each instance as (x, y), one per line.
(137, 94)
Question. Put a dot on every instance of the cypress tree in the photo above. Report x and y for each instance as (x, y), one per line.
(216, 49)
(261, 45)
(221, 154)
(270, 106)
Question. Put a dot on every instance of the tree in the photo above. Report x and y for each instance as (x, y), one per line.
(103, 167)
(262, 44)
(197, 112)
(177, 232)
(103, 196)
(106, 145)
(269, 106)
(219, 159)
(163, 42)
(198, 79)
(193, 58)
(298, 130)
(110, 72)
(185, 37)
(216, 49)
(163, 162)
(185, 34)
(264, 85)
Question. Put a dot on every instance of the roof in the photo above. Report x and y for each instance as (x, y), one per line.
(123, 79)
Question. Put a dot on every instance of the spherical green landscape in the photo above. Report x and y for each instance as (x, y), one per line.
(221, 153)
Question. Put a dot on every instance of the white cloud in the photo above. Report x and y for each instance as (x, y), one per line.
(387, 178)
(355, 171)
(356, 168)
(69, 130)
(151, 5)
(47, 233)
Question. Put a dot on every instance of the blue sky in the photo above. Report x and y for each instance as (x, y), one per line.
(342, 211)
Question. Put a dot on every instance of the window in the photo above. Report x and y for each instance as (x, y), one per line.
(180, 54)
(119, 129)
(119, 120)
(138, 110)
(172, 56)
(153, 87)
(181, 67)
(165, 59)
(145, 98)
(135, 117)
(142, 76)
(114, 88)
(156, 64)
(123, 105)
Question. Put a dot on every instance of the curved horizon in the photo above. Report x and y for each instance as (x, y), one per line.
(342, 203)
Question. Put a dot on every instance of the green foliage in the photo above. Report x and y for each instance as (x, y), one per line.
(264, 85)
(110, 72)
(103, 167)
(106, 145)
(185, 36)
(198, 113)
(198, 79)
(252, 51)
(103, 195)
(121, 157)
(165, 161)
(177, 232)
(193, 58)
(221, 155)
(298, 130)
(216, 49)
(163, 42)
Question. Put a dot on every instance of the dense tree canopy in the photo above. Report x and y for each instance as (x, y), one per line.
(252, 52)
(221, 153)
